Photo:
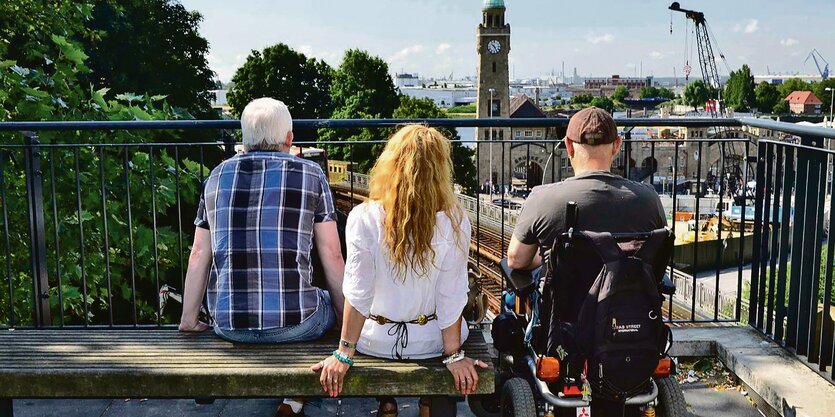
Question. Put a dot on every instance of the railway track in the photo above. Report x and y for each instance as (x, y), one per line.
(486, 250)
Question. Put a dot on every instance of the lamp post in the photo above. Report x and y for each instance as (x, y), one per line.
(490, 167)
(831, 101)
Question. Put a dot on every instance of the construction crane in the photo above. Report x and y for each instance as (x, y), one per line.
(815, 55)
(707, 61)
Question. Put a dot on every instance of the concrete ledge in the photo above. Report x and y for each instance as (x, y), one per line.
(780, 378)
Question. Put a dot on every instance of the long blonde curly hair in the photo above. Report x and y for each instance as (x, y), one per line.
(412, 180)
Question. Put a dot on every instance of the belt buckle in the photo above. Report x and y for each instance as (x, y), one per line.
(380, 320)
(422, 319)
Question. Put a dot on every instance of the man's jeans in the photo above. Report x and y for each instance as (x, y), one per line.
(312, 328)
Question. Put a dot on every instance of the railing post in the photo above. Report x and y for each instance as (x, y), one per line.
(228, 144)
(37, 230)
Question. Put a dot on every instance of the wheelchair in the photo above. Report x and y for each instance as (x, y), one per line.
(529, 383)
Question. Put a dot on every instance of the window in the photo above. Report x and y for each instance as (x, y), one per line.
(494, 66)
(528, 133)
(518, 134)
(501, 135)
(496, 108)
(538, 133)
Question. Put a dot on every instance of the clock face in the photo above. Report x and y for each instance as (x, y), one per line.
(494, 47)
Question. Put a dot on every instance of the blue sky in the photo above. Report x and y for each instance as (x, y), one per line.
(437, 37)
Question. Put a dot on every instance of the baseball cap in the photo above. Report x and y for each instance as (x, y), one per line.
(592, 126)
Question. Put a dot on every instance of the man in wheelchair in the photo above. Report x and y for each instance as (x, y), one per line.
(594, 328)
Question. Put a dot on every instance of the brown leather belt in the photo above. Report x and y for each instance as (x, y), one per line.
(420, 320)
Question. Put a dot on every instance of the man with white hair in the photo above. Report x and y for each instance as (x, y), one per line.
(259, 215)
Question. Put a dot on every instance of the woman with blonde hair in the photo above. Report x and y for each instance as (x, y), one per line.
(405, 281)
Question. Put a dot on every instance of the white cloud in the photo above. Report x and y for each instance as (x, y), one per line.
(752, 26)
(789, 42)
(406, 52)
(330, 57)
(306, 49)
(596, 39)
(656, 55)
(442, 48)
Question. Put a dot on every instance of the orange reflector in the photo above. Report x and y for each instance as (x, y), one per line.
(548, 369)
(662, 370)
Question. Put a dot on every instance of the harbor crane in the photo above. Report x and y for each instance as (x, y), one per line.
(815, 55)
(707, 60)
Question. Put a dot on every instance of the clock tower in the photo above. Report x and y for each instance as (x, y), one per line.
(493, 88)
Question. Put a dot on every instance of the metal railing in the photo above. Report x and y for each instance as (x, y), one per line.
(91, 229)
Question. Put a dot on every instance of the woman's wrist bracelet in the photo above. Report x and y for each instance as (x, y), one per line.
(455, 357)
(343, 358)
(346, 344)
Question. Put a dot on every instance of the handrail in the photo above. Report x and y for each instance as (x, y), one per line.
(349, 123)
(792, 128)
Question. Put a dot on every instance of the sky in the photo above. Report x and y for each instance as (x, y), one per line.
(436, 38)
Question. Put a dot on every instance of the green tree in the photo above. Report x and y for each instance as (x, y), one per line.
(604, 103)
(696, 94)
(825, 96)
(739, 91)
(463, 163)
(767, 96)
(582, 99)
(666, 93)
(151, 47)
(793, 84)
(620, 93)
(362, 89)
(279, 72)
(649, 92)
(782, 107)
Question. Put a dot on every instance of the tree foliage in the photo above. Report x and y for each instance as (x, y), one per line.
(91, 184)
(604, 103)
(582, 99)
(791, 85)
(739, 91)
(463, 165)
(767, 96)
(362, 89)
(620, 93)
(656, 92)
(302, 83)
(151, 47)
(696, 93)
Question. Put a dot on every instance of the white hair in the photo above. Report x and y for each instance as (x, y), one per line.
(265, 124)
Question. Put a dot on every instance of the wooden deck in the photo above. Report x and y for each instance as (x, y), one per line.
(168, 364)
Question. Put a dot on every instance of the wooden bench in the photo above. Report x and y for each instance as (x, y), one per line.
(168, 364)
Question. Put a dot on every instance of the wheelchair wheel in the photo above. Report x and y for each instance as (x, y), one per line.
(517, 399)
(670, 398)
(484, 405)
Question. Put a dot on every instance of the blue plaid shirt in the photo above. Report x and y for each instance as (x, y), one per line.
(260, 208)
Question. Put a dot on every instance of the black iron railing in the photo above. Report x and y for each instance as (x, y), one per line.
(92, 229)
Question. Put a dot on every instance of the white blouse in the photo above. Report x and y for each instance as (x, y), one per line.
(372, 286)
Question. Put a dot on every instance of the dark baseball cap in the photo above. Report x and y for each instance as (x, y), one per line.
(592, 126)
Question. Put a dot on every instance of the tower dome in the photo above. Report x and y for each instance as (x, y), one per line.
(493, 4)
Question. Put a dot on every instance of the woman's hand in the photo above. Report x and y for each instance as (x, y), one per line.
(193, 327)
(333, 374)
(465, 375)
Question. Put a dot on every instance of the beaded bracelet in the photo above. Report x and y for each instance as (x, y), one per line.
(455, 357)
(343, 358)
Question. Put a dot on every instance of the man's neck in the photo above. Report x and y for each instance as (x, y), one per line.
(592, 167)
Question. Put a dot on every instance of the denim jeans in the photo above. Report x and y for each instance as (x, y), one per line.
(310, 329)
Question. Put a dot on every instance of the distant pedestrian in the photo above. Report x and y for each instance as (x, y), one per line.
(259, 215)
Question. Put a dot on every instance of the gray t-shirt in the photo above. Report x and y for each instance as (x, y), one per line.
(607, 203)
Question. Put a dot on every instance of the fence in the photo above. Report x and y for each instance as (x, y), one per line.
(92, 228)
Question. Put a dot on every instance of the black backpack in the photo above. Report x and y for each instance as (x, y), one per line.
(602, 308)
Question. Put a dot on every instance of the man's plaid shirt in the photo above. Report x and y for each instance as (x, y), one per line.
(260, 208)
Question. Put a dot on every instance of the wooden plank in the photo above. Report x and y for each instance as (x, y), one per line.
(167, 364)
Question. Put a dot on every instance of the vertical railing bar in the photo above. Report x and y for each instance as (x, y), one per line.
(653, 165)
(478, 214)
(202, 164)
(81, 237)
(154, 224)
(673, 217)
(764, 239)
(721, 216)
(757, 239)
(825, 346)
(503, 196)
(696, 232)
(785, 230)
(627, 144)
(55, 230)
(801, 180)
(6, 237)
(808, 242)
(743, 220)
(774, 252)
(131, 259)
(817, 233)
(179, 217)
(37, 231)
(106, 249)
(351, 165)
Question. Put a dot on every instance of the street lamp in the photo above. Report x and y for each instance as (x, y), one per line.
(831, 101)
(490, 168)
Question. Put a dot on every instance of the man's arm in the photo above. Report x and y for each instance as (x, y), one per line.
(326, 238)
(196, 281)
(522, 256)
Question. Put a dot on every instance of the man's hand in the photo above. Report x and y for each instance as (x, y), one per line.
(196, 327)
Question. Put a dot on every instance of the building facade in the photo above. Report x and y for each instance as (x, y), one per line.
(804, 102)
